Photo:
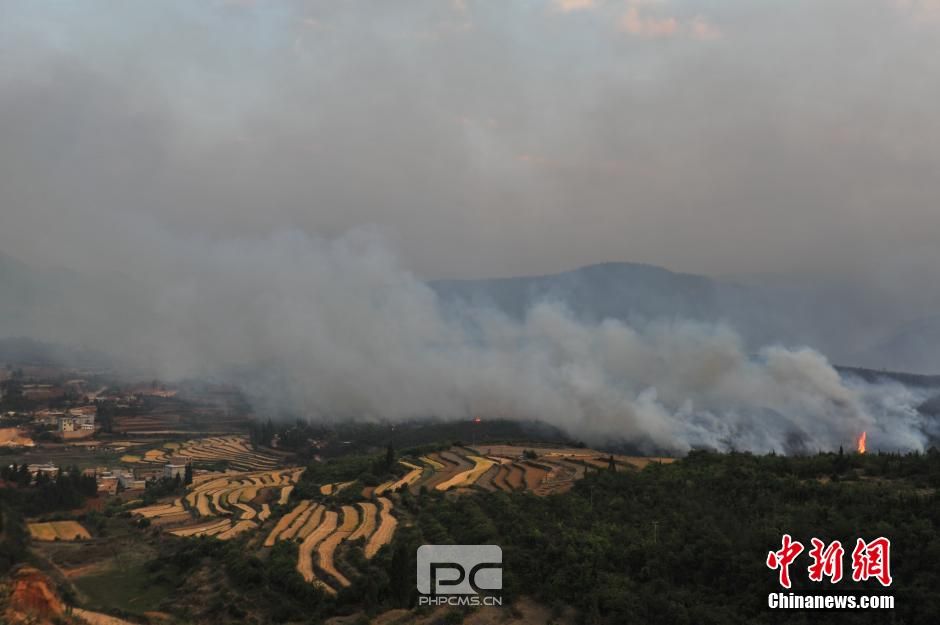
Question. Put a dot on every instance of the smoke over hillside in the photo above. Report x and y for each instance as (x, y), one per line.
(180, 160)
(341, 331)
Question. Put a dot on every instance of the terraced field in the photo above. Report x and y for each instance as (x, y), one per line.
(469, 477)
(414, 474)
(322, 531)
(259, 502)
(382, 535)
(539, 470)
(237, 501)
(327, 547)
(236, 451)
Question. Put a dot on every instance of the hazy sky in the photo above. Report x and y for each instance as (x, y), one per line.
(482, 138)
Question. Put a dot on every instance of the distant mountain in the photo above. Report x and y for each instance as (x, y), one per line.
(913, 347)
(615, 290)
(913, 380)
(638, 293)
(831, 318)
(60, 305)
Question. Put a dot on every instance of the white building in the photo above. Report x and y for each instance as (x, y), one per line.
(176, 466)
(83, 422)
(48, 468)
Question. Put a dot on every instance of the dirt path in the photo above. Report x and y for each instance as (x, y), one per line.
(97, 618)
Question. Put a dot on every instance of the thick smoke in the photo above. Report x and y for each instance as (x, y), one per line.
(336, 329)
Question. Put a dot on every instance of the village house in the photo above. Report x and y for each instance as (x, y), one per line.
(129, 482)
(148, 474)
(176, 466)
(47, 416)
(107, 484)
(107, 480)
(76, 422)
(47, 468)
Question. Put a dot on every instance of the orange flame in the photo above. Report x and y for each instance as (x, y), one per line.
(861, 442)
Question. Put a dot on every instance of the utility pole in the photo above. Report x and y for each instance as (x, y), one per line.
(655, 532)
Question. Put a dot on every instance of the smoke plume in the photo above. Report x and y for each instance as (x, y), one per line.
(336, 329)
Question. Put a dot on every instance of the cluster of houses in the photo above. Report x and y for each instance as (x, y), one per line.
(76, 422)
(110, 480)
(136, 479)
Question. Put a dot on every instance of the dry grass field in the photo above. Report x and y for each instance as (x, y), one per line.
(414, 474)
(470, 476)
(58, 530)
(383, 535)
(235, 530)
(533, 475)
(313, 522)
(305, 553)
(285, 521)
(367, 526)
(204, 529)
(15, 437)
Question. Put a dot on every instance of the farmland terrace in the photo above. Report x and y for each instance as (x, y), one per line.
(329, 522)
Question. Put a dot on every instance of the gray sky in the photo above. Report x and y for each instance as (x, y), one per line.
(482, 138)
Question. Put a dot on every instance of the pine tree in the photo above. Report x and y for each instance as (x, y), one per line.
(399, 581)
(189, 474)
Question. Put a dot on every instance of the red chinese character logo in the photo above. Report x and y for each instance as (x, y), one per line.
(783, 558)
(826, 562)
(872, 560)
